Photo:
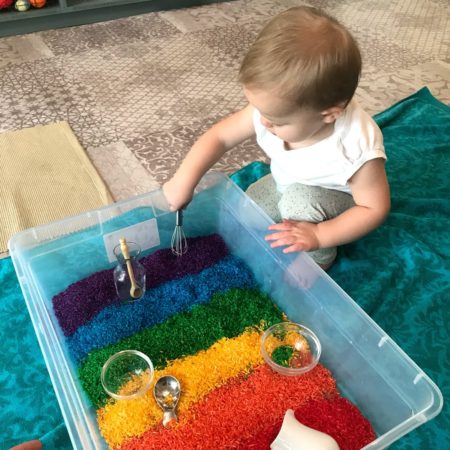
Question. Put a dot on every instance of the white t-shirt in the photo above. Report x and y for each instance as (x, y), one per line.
(329, 163)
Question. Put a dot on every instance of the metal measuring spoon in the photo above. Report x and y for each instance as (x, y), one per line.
(167, 392)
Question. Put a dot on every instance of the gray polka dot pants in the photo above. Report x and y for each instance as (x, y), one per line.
(304, 203)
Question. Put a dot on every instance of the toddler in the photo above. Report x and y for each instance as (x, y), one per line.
(327, 184)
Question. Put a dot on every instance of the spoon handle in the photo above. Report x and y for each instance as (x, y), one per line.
(168, 416)
(135, 289)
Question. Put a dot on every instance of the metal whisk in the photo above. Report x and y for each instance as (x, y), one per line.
(179, 243)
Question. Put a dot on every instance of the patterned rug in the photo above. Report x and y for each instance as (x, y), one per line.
(138, 91)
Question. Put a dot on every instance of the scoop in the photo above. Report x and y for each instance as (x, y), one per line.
(294, 435)
(167, 392)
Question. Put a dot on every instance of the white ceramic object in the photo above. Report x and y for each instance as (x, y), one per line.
(296, 436)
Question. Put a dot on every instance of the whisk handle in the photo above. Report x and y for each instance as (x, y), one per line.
(179, 218)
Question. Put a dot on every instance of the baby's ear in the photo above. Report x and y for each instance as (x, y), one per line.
(331, 114)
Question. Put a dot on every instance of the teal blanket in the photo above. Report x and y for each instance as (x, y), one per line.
(399, 274)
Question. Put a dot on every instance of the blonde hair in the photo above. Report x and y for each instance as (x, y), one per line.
(304, 55)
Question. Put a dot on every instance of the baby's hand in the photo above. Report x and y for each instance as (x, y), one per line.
(177, 197)
(297, 236)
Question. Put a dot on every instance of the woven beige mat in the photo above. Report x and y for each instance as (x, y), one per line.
(45, 175)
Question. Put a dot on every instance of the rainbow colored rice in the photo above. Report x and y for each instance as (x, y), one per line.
(200, 320)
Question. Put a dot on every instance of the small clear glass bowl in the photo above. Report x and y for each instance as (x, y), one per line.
(127, 374)
(290, 348)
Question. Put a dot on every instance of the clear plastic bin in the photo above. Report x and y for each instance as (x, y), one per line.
(370, 369)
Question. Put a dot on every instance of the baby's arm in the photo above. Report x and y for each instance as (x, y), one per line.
(205, 152)
(370, 190)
